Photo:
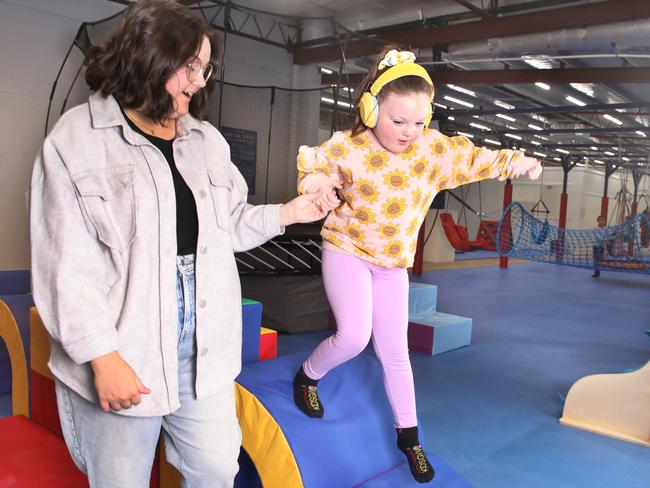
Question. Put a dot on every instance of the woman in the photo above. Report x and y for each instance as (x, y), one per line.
(136, 211)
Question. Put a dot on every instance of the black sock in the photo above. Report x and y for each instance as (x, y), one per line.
(408, 443)
(305, 395)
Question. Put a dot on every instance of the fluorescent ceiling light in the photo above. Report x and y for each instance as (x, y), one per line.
(609, 153)
(563, 151)
(625, 159)
(465, 134)
(451, 117)
(540, 137)
(505, 105)
(593, 148)
(543, 86)
(621, 110)
(598, 161)
(493, 142)
(575, 100)
(640, 133)
(462, 90)
(535, 127)
(541, 155)
(535, 143)
(539, 62)
(479, 126)
(513, 136)
(585, 88)
(557, 159)
(581, 164)
(327, 71)
(613, 119)
(440, 105)
(506, 117)
(347, 88)
(326, 100)
(461, 102)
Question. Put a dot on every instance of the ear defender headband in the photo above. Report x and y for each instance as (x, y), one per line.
(400, 64)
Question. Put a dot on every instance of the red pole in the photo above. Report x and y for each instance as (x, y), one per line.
(564, 197)
(604, 203)
(630, 243)
(559, 249)
(419, 251)
(507, 200)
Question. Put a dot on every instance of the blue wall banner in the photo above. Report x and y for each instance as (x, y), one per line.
(243, 152)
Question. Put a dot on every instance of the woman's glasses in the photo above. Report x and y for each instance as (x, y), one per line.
(195, 69)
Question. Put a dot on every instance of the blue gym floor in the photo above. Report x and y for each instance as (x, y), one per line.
(480, 254)
(491, 410)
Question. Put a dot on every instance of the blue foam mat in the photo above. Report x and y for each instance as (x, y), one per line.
(354, 444)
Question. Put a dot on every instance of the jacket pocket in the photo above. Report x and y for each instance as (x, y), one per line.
(221, 191)
(109, 201)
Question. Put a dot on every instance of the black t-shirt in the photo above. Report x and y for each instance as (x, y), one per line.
(187, 221)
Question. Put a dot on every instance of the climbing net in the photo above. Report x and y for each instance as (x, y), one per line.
(623, 247)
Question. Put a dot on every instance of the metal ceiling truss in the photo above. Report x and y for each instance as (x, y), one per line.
(226, 16)
(522, 76)
(438, 32)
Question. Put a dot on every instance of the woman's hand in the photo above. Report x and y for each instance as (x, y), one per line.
(116, 383)
(303, 209)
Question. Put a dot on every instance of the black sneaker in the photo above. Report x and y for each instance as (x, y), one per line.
(419, 465)
(305, 395)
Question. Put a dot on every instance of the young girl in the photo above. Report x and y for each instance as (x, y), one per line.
(387, 170)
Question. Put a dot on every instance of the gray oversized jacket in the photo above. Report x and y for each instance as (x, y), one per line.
(103, 238)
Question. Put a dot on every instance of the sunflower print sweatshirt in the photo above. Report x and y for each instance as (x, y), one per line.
(385, 196)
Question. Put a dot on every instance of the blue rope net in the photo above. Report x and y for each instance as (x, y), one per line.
(622, 247)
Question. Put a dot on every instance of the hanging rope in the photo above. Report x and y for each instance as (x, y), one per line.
(540, 207)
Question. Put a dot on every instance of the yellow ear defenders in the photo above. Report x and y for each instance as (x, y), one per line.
(369, 105)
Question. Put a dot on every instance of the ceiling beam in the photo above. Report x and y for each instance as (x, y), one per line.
(606, 12)
(552, 109)
(470, 6)
(521, 76)
(576, 130)
(131, 2)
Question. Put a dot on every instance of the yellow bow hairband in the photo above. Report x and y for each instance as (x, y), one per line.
(394, 57)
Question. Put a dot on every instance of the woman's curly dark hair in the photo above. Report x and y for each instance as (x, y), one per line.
(155, 38)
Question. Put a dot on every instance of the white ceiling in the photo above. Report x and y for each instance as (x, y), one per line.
(581, 43)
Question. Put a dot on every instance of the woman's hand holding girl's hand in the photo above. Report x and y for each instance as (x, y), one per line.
(302, 209)
(327, 185)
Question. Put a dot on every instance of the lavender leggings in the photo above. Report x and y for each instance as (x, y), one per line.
(368, 300)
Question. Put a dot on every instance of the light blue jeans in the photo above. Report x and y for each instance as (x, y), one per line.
(202, 437)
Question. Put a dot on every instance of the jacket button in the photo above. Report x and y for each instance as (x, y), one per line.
(204, 249)
(202, 194)
(203, 303)
(204, 351)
